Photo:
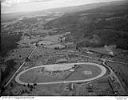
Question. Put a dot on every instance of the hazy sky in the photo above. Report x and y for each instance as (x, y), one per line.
(9, 6)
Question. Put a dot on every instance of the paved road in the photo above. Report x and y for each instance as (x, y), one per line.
(19, 68)
(113, 74)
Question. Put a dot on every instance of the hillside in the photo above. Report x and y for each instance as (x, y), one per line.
(13, 16)
(109, 23)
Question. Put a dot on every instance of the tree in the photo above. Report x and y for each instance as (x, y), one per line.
(27, 59)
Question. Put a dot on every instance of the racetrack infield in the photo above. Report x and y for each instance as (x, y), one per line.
(61, 73)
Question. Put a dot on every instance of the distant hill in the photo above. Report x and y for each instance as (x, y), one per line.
(14, 16)
(109, 23)
(77, 8)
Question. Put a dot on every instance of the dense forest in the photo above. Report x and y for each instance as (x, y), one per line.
(97, 27)
(8, 42)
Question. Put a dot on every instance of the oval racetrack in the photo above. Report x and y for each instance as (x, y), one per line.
(61, 73)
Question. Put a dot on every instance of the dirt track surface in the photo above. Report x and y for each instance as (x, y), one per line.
(86, 72)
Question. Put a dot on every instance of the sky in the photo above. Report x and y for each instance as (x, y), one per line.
(12, 6)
